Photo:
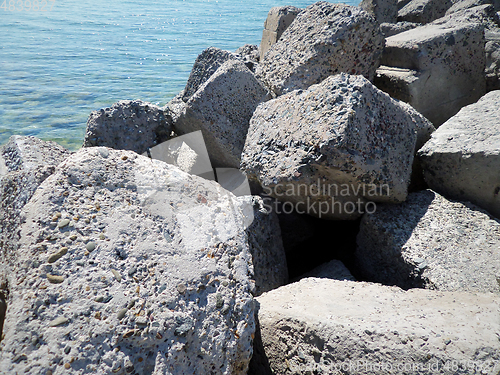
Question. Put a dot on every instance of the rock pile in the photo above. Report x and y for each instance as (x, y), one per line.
(164, 245)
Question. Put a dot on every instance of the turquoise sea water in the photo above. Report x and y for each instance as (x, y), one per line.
(67, 58)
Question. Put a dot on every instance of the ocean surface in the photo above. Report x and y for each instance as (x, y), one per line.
(60, 60)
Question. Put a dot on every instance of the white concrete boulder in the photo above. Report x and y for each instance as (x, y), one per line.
(25, 162)
(424, 11)
(323, 40)
(382, 10)
(443, 66)
(128, 125)
(328, 150)
(431, 242)
(129, 265)
(277, 21)
(321, 326)
(221, 108)
(462, 158)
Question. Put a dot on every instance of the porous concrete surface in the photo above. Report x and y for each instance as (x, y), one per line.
(430, 242)
(266, 247)
(249, 54)
(492, 71)
(448, 57)
(323, 40)
(467, 4)
(128, 125)
(485, 15)
(27, 162)
(221, 109)
(340, 141)
(424, 11)
(382, 10)
(277, 21)
(462, 158)
(129, 265)
(326, 326)
(205, 65)
(390, 29)
(24, 153)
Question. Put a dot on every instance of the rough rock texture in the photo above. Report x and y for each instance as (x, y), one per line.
(128, 265)
(266, 247)
(249, 54)
(492, 71)
(27, 162)
(424, 11)
(221, 109)
(205, 65)
(334, 269)
(446, 62)
(462, 159)
(321, 326)
(483, 14)
(329, 149)
(467, 4)
(383, 10)
(325, 39)
(430, 242)
(390, 29)
(128, 125)
(277, 21)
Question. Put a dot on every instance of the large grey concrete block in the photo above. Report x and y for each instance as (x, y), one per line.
(446, 62)
(382, 10)
(332, 148)
(277, 21)
(205, 65)
(321, 326)
(430, 242)
(221, 109)
(323, 40)
(424, 11)
(128, 125)
(128, 264)
(462, 158)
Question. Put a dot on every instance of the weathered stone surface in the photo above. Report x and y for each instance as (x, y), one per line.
(424, 11)
(179, 248)
(462, 159)
(383, 10)
(329, 149)
(482, 14)
(467, 4)
(492, 71)
(128, 125)
(277, 21)
(430, 242)
(249, 54)
(324, 39)
(27, 162)
(446, 61)
(390, 29)
(221, 109)
(330, 327)
(266, 247)
(205, 65)
(335, 270)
